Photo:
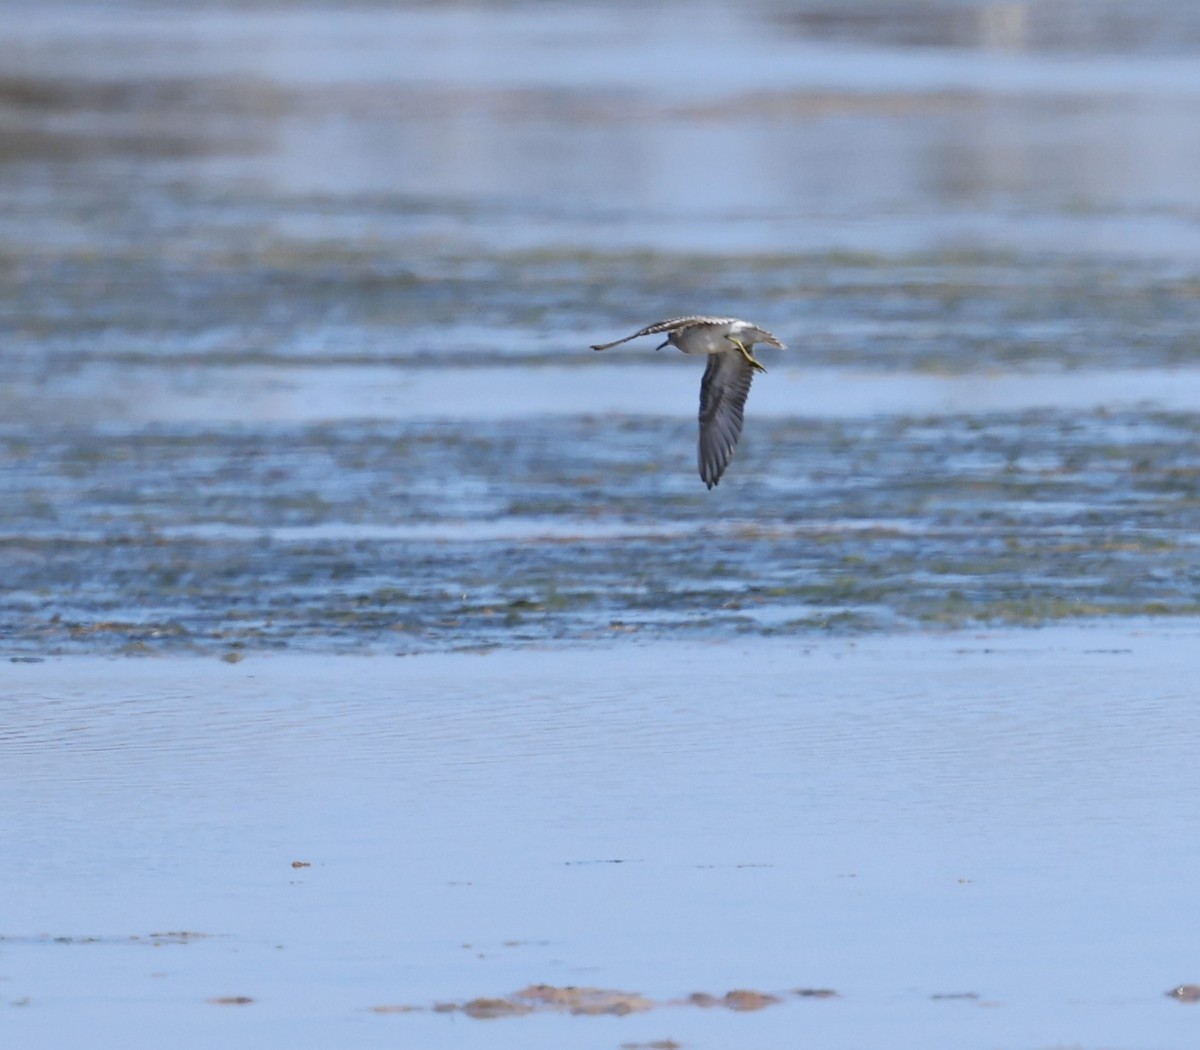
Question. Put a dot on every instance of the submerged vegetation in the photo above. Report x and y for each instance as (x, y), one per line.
(394, 537)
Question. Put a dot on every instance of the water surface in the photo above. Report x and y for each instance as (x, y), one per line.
(853, 816)
(299, 301)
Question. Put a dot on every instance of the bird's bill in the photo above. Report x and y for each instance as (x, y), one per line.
(665, 342)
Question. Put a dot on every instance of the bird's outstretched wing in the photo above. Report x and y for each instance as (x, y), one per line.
(723, 393)
(672, 325)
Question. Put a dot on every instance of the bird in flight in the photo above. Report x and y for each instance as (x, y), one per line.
(731, 367)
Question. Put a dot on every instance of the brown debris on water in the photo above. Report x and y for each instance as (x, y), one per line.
(746, 999)
(489, 1009)
(595, 1002)
(231, 1000)
(657, 1044)
(172, 937)
(584, 1001)
(1186, 993)
(740, 999)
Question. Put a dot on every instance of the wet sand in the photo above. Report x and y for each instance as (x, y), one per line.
(974, 840)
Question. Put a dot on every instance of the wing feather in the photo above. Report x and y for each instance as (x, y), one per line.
(723, 392)
(672, 325)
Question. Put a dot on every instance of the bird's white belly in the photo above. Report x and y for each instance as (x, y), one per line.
(704, 341)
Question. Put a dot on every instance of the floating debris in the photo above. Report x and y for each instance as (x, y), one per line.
(740, 999)
(489, 1009)
(173, 937)
(584, 1001)
(613, 860)
(153, 939)
(594, 1002)
(1186, 993)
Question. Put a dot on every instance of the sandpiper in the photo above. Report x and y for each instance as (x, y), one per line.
(731, 367)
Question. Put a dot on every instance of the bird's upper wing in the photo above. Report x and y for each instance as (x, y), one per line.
(672, 325)
(723, 393)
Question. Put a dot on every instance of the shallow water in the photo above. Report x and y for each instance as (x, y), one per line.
(1008, 817)
(436, 534)
(295, 346)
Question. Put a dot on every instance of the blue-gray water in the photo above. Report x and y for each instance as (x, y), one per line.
(286, 283)
(295, 307)
(1008, 817)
